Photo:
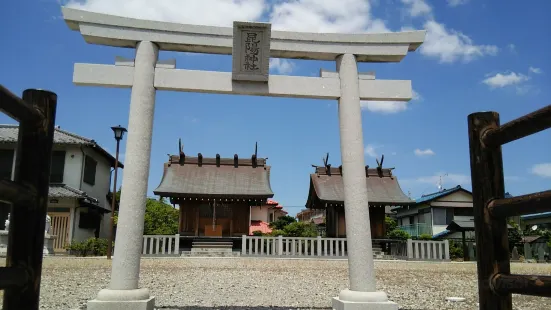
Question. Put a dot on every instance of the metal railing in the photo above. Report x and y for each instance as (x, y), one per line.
(415, 230)
(491, 209)
(28, 195)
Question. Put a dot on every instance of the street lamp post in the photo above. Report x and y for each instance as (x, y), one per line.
(119, 132)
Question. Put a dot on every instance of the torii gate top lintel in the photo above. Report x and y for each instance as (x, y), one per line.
(111, 30)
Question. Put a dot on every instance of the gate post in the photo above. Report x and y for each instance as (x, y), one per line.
(362, 292)
(491, 233)
(123, 291)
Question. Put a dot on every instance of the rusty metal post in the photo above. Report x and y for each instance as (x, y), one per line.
(28, 221)
(491, 233)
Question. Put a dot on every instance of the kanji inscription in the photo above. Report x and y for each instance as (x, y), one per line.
(251, 51)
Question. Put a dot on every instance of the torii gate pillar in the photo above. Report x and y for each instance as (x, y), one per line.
(146, 74)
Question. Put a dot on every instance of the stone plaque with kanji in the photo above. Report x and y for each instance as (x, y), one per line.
(251, 51)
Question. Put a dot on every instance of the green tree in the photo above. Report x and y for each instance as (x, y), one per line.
(300, 229)
(281, 222)
(514, 234)
(160, 218)
(390, 223)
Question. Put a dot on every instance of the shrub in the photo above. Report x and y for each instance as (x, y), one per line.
(456, 250)
(91, 246)
(300, 229)
(425, 237)
(398, 234)
(277, 232)
(257, 233)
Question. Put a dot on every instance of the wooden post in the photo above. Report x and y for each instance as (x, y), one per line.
(28, 221)
(491, 233)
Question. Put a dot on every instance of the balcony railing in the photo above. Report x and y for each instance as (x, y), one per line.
(415, 230)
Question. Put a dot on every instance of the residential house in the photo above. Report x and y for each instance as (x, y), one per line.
(80, 178)
(316, 216)
(433, 213)
(264, 214)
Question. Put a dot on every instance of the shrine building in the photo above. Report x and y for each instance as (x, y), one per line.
(327, 192)
(216, 196)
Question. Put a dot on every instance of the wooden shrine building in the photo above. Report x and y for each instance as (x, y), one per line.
(327, 192)
(215, 195)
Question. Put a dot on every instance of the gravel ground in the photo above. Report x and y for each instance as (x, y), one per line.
(254, 283)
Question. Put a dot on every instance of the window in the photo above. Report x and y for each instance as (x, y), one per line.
(57, 167)
(463, 212)
(90, 170)
(442, 216)
(6, 164)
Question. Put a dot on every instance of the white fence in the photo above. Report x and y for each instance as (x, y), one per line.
(293, 246)
(428, 250)
(161, 245)
(337, 247)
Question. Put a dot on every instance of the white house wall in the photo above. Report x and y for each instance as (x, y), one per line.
(73, 165)
(259, 213)
(458, 199)
(101, 187)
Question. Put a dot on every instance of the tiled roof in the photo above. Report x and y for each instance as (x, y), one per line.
(211, 181)
(64, 191)
(261, 226)
(442, 193)
(382, 188)
(9, 134)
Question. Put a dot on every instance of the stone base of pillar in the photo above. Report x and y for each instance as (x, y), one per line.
(353, 300)
(138, 299)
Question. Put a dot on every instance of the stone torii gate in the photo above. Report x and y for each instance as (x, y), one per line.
(251, 46)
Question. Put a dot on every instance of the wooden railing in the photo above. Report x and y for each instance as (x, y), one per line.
(491, 209)
(161, 245)
(28, 195)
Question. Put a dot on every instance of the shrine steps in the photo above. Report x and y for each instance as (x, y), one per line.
(211, 247)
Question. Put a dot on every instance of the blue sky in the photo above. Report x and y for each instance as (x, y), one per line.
(479, 55)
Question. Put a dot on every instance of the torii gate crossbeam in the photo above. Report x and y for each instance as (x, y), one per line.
(146, 74)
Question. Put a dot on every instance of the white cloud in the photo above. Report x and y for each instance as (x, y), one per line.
(220, 13)
(542, 170)
(384, 107)
(454, 3)
(417, 7)
(389, 107)
(325, 16)
(450, 45)
(298, 15)
(512, 48)
(420, 153)
(502, 80)
(535, 70)
(282, 66)
(370, 150)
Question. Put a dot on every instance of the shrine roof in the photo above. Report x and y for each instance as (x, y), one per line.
(383, 189)
(201, 177)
